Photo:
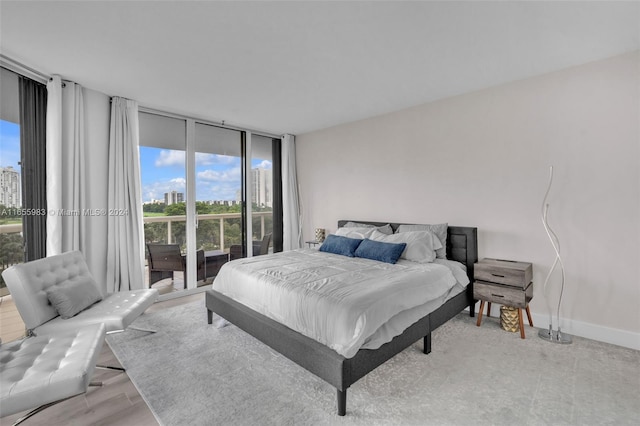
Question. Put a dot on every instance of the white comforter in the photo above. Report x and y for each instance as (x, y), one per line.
(339, 301)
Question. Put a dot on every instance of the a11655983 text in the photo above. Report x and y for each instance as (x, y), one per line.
(17, 212)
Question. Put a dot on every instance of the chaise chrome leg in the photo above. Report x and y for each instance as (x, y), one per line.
(37, 410)
(146, 330)
(142, 329)
(108, 367)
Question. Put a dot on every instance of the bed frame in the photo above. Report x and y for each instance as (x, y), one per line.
(327, 364)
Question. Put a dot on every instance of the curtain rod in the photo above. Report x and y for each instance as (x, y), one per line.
(23, 69)
(20, 68)
(27, 71)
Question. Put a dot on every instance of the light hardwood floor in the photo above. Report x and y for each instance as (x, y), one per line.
(117, 402)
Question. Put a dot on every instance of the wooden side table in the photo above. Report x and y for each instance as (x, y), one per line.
(505, 282)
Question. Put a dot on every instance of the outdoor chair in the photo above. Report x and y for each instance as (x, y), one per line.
(260, 247)
(165, 259)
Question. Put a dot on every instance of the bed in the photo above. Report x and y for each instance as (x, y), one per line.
(336, 369)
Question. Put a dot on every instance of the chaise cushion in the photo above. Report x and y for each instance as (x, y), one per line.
(73, 296)
(47, 368)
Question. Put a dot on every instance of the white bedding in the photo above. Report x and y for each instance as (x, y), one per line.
(344, 303)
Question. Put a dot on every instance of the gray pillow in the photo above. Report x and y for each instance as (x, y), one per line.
(440, 231)
(73, 296)
(385, 229)
(421, 245)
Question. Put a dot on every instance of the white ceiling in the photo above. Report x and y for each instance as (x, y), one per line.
(300, 66)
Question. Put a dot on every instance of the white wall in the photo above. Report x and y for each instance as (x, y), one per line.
(482, 159)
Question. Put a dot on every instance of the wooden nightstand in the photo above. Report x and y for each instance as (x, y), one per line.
(505, 282)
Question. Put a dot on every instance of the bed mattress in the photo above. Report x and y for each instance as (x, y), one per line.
(344, 303)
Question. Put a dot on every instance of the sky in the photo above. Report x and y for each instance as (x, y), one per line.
(162, 170)
(9, 144)
(217, 176)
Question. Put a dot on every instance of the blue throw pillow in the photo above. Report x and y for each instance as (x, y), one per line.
(340, 245)
(377, 250)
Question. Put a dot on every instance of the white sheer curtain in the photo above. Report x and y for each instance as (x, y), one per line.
(292, 222)
(65, 167)
(54, 165)
(125, 242)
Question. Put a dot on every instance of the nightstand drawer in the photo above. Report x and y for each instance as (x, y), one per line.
(514, 297)
(517, 274)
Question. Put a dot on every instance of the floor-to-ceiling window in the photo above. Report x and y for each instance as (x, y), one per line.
(22, 194)
(264, 185)
(163, 145)
(218, 187)
(11, 241)
(197, 180)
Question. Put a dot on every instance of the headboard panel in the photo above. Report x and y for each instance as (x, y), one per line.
(462, 242)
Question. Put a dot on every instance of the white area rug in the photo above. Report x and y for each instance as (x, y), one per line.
(191, 373)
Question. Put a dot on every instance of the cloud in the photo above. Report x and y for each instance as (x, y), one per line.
(204, 159)
(156, 190)
(9, 145)
(215, 192)
(265, 164)
(170, 158)
(229, 175)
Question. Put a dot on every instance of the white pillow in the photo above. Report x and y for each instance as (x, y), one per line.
(439, 230)
(355, 232)
(421, 245)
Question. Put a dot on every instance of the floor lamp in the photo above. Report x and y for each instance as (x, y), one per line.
(551, 335)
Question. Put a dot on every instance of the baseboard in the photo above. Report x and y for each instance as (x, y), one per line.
(624, 338)
(614, 336)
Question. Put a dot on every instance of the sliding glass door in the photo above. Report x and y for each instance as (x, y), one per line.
(218, 190)
(11, 221)
(163, 147)
(262, 194)
(200, 183)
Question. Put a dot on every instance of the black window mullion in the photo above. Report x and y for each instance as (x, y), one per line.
(243, 190)
(33, 128)
(277, 195)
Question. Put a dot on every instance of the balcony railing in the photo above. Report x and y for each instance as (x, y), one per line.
(221, 217)
(16, 228)
(169, 220)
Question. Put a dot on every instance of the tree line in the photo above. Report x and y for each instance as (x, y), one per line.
(208, 231)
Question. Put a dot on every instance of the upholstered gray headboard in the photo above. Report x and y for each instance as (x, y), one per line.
(462, 242)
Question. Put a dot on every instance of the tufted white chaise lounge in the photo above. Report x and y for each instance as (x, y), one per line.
(41, 370)
(28, 284)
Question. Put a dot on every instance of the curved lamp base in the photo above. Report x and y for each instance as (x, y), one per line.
(554, 336)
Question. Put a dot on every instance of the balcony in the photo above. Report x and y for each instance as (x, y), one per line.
(214, 232)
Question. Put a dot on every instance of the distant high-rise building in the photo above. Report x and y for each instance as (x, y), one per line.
(10, 187)
(173, 197)
(262, 181)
